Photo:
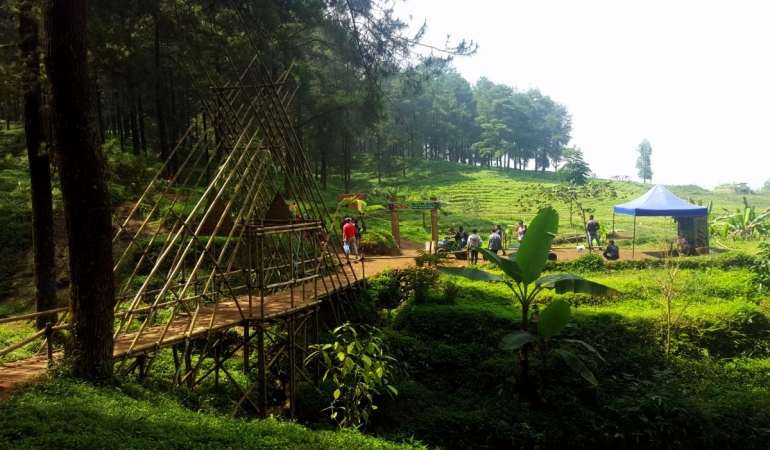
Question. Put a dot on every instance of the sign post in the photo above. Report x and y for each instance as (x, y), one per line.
(433, 205)
(394, 227)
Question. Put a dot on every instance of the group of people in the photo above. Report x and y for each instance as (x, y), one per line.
(494, 242)
(592, 229)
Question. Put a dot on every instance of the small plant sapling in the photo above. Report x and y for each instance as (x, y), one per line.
(552, 321)
(359, 368)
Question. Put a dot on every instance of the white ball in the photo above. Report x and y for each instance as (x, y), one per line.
(580, 248)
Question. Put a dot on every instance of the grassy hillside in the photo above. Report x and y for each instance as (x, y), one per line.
(476, 197)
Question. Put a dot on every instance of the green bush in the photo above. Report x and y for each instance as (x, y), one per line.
(421, 282)
(377, 242)
(385, 289)
(117, 194)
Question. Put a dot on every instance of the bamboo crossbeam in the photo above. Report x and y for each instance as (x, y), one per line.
(249, 86)
(24, 342)
(295, 282)
(33, 315)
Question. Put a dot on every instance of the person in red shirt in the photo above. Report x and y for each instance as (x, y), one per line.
(349, 236)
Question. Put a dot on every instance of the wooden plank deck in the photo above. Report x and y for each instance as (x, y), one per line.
(221, 316)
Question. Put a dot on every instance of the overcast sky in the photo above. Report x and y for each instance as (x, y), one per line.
(692, 77)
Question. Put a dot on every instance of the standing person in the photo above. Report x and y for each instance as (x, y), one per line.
(499, 230)
(461, 238)
(349, 236)
(474, 244)
(520, 230)
(358, 229)
(495, 242)
(612, 252)
(592, 227)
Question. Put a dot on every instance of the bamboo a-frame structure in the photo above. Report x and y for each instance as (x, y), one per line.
(229, 251)
(216, 244)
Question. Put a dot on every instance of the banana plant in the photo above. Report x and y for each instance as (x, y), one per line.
(745, 223)
(523, 268)
(522, 271)
(552, 321)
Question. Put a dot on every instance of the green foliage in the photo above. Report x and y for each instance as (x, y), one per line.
(643, 163)
(592, 262)
(744, 223)
(385, 289)
(421, 282)
(360, 370)
(427, 258)
(451, 291)
(575, 170)
(527, 265)
(576, 197)
(761, 267)
(15, 210)
(377, 242)
(552, 321)
(68, 414)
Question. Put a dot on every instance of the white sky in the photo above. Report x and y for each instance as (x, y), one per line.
(692, 77)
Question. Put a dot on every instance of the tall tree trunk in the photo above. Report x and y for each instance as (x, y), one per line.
(84, 191)
(324, 169)
(136, 145)
(39, 168)
(119, 120)
(142, 135)
(98, 90)
(159, 96)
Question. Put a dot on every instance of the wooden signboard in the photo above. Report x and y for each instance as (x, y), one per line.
(342, 197)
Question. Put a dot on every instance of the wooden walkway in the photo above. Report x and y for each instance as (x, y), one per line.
(215, 318)
(210, 319)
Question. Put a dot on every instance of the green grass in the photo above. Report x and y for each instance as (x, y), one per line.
(69, 415)
(713, 392)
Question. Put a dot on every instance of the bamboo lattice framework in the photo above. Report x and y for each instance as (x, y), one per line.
(219, 230)
(216, 245)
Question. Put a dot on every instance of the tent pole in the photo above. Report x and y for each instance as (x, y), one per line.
(633, 241)
(613, 222)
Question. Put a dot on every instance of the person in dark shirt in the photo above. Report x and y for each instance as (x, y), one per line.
(612, 252)
(461, 238)
(592, 227)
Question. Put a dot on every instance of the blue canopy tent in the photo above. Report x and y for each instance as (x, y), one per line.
(658, 201)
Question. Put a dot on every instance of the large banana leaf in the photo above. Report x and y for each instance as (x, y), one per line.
(553, 319)
(577, 365)
(470, 273)
(507, 265)
(536, 244)
(585, 345)
(565, 282)
(514, 340)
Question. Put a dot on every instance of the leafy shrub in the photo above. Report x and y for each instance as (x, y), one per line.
(451, 290)
(421, 282)
(378, 242)
(117, 195)
(358, 367)
(592, 262)
(761, 267)
(385, 289)
(745, 333)
(722, 261)
(124, 169)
